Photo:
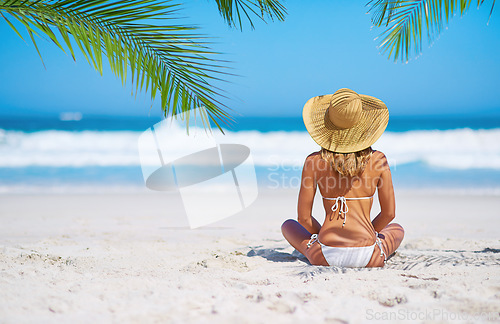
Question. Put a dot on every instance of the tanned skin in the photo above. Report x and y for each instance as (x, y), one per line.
(359, 230)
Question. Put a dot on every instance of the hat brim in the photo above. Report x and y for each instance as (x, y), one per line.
(372, 123)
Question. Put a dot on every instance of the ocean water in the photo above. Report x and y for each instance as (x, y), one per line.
(90, 154)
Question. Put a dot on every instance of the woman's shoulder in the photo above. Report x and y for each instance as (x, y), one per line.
(379, 160)
(313, 159)
(314, 155)
(378, 154)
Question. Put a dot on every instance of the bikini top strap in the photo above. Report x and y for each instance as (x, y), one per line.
(348, 198)
(341, 205)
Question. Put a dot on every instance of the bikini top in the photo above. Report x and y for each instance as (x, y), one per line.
(341, 205)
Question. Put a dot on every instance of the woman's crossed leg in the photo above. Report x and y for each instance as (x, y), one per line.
(391, 237)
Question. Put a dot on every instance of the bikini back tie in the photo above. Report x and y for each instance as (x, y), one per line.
(341, 205)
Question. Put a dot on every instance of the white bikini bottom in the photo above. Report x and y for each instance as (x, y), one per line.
(348, 257)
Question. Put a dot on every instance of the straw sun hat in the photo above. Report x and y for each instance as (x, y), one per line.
(345, 121)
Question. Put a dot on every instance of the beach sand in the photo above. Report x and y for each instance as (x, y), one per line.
(132, 258)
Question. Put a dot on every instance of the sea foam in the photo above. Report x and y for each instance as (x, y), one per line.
(450, 149)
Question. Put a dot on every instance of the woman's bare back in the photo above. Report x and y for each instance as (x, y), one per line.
(358, 229)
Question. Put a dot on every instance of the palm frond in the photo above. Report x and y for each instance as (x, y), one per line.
(403, 21)
(171, 61)
(233, 10)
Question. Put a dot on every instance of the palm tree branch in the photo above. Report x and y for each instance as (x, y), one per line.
(402, 20)
(234, 10)
(166, 58)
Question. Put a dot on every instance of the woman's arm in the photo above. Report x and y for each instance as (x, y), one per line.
(385, 196)
(306, 197)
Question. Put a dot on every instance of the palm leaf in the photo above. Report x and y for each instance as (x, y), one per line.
(171, 60)
(403, 20)
(233, 10)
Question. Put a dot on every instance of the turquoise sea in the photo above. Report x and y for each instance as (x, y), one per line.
(75, 153)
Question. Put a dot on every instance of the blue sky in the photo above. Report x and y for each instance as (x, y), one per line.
(321, 46)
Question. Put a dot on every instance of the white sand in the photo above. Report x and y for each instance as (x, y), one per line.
(132, 258)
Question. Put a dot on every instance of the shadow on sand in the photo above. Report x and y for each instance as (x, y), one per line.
(404, 259)
(276, 255)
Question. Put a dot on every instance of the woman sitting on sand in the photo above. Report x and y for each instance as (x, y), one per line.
(347, 172)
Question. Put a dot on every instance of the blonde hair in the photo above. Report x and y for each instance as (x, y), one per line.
(348, 164)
